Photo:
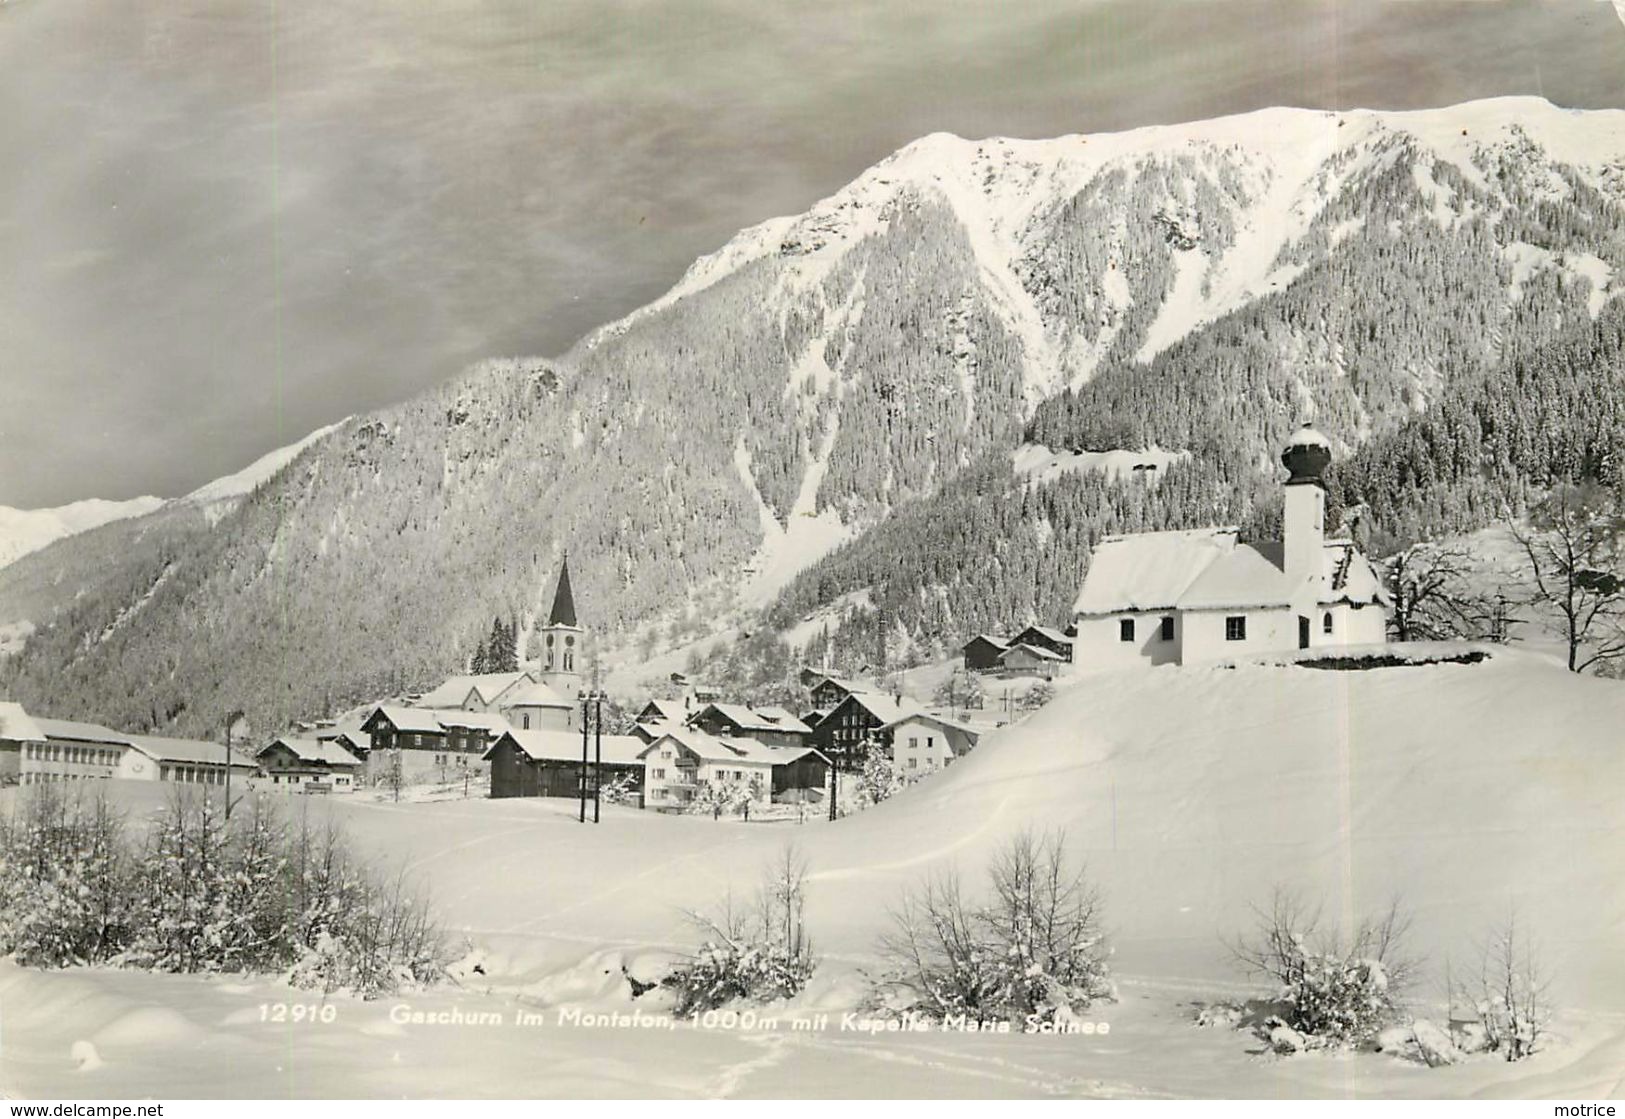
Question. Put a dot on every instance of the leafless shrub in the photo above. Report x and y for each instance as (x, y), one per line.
(1334, 991)
(1034, 949)
(754, 953)
(1510, 995)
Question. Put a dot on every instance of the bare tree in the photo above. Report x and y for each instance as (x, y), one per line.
(1435, 599)
(1511, 998)
(1575, 546)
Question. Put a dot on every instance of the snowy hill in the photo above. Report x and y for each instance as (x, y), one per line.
(1463, 789)
(28, 530)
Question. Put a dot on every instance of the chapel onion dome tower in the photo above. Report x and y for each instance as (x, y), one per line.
(1308, 453)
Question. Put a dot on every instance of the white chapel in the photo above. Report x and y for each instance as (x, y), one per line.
(1204, 595)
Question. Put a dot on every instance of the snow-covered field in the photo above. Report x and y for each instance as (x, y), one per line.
(1464, 789)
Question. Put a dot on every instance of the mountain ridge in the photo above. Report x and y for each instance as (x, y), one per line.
(819, 372)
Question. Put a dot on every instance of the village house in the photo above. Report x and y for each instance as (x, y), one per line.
(1022, 659)
(357, 741)
(309, 765)
(1205, 595)
(17, 732)
(923, 743)
(828, 690)
(771, 726)
(547, 763)
(981, 653)
(684, 760)
(858, 723)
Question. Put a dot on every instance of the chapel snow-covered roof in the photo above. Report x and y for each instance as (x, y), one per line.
(1210, 570)
(1149, 570)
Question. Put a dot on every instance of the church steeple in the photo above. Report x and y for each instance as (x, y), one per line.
(564, 603)
(563, 639)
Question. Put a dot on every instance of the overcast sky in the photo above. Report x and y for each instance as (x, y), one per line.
(224, 223)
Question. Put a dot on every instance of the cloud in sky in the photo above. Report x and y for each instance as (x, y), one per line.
(224, 223)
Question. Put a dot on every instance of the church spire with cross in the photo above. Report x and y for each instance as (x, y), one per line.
(564, 603)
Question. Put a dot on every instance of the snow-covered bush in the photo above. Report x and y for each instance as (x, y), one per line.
(199, 894)
(620, 790)
(880, 778)
(1509, 996)
(756, 953)
(1033, 948)
(64, 880)
(1332, 992)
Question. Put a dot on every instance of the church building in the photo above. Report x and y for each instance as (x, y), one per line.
(1204, 595)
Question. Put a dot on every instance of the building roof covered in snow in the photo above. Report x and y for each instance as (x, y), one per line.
(1210, 569)
(884, 708)
(489, 722)
(407, 720)
(325, 751)
(189, 751)
(943, 721)
(1049, 633)
(67, 730)
(536, 695)
(16, 725)
(752, 719)
(1043, 654)
(663, 710)
(731, 748)
(486, 687)
(565, 746)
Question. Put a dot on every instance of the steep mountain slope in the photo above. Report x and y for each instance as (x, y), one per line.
(819, 371)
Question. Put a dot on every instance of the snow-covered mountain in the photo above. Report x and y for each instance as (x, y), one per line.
(820, 371)
(1242, 201)
(28, 530)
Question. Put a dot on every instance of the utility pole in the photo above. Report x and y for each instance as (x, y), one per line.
(232, 721)
(582, 784)
(834, 789)
(598, 749)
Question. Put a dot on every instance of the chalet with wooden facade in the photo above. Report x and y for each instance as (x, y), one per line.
(857, 724)
(982, 652)
(828, 690)
(771, 726)
(547, 763)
